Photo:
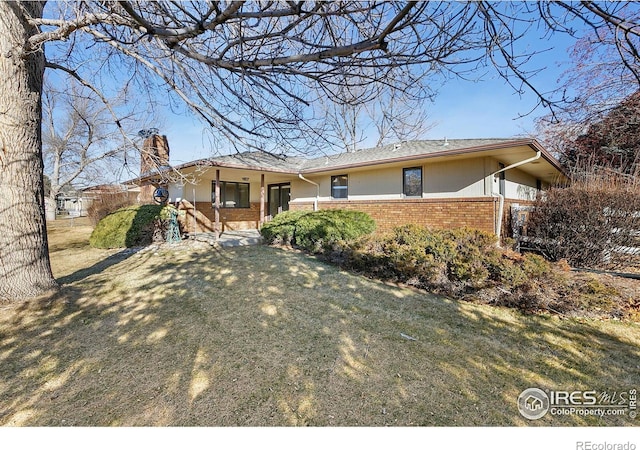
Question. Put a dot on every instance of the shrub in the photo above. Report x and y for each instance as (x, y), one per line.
(449, 261)
(317, 231)
(593, 224)
(131, 226)
(281, 229)
(466, 264)
(441, 259)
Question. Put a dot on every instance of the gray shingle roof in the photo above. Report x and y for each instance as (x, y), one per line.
(403, 151)
(398, 151)
(251, 160)
(263, 160)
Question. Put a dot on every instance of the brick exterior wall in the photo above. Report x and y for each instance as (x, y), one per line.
(478, 213)
(230, 218)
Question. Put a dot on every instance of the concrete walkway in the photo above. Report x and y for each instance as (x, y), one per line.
(238, 238)
(232, 238)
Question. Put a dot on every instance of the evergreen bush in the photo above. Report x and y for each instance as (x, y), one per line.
(131, 226)
(317, 231)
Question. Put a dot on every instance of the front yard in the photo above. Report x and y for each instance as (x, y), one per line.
(193, 335)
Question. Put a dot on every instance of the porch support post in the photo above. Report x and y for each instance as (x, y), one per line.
(261, 200)
(216, 207)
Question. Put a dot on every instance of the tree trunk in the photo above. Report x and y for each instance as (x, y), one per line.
(25, 270)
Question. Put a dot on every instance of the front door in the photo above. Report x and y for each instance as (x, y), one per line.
(279, 195)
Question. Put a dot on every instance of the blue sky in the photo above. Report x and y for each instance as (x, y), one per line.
(484, 109)
(491, 108)
(488, 108)
(462, 110)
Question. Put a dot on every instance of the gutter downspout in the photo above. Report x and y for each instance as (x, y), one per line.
(315, 202)
(498, 226)
(519, 163)
(500, 196)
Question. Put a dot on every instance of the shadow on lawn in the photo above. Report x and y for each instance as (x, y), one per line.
(258, 336)
(100, 266)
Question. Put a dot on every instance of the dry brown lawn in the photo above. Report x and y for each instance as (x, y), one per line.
(193, 335)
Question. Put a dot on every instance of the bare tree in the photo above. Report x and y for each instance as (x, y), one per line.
(366, 115)
(81, 144)
(343, 120)
(397, 118)
(600, 92)
(249, 70)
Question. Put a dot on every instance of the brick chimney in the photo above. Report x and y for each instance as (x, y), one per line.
(154, 158)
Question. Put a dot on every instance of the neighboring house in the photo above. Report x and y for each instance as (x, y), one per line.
(442, 184)
(102, 191)
(77, 203)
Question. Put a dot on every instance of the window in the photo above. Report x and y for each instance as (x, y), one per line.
(412, 182)
(339, 186)
(232, 194)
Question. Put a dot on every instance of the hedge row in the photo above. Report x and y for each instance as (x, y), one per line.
(456, 261)
(460, 263)
(590, 225)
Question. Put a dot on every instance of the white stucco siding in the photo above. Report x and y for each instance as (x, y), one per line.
(463, 178)
(444, 178)
(185, 191)
(520, 185)
(382, 184)
(377, 184)
(302, 191)
(452, 179)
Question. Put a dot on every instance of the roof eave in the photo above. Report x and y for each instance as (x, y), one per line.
(535, 146)
(211, 163)
(532, 143)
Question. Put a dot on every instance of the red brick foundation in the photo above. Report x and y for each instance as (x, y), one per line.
(479, 213)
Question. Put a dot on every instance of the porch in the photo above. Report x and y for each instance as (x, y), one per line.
(230, 200)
